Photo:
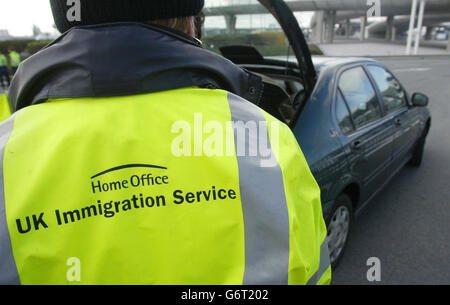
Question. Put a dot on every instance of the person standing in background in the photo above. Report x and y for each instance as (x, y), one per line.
(4, 73)
(14, 59)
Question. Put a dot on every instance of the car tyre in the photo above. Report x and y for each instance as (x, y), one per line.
(338, 228)
(417, 156)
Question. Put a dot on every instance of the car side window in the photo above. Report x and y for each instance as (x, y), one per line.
(390, 89)
(360, 96)
(343, 115)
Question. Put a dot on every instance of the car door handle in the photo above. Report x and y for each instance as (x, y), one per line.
(398, 122)
(356, 145)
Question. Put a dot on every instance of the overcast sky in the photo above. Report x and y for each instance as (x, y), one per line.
(18, 16)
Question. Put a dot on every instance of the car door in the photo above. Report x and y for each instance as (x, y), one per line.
(395, 105)
(369, 138)
(294, 34)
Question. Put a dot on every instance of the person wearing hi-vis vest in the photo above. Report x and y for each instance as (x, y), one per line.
(4, 71)
(134, 156)
(5, 111)
(14, 59)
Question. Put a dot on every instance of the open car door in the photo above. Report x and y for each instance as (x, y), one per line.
(294, 34)
(264, 49)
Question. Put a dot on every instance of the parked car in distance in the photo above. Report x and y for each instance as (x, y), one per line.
(356, 124)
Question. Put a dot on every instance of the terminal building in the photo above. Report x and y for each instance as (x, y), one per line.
(399, 20)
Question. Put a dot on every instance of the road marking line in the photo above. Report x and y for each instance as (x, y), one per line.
(412, 70)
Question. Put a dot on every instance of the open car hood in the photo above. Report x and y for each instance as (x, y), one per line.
(281, 11)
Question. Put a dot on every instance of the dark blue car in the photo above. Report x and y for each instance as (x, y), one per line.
(357, 130)
(355, 122)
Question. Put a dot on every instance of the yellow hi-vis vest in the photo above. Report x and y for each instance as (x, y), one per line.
(120, 191)
(3, 61)
(15, 59)
(5, 109)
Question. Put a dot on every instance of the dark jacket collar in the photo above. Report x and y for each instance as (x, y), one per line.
(125, 59)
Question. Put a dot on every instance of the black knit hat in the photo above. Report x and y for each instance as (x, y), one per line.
(104, 11)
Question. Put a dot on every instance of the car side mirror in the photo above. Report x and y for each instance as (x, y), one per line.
(419, 100)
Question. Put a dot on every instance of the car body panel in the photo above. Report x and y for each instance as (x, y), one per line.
(385, 147)
(354, 161)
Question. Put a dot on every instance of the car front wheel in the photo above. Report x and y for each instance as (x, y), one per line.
(339, 227)
(417, 157)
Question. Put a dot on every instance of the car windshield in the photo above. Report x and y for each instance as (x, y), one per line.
(244, 23)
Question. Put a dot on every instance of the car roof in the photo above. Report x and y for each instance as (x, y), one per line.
(328, 61)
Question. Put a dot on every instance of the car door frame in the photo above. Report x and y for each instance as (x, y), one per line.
(351, 137)
(396, 115)
(291, 28)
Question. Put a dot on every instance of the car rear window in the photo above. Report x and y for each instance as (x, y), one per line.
(343, 115)
(360, 96)
(390, 89)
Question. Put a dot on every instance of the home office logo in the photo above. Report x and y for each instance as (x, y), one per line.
(374, 8)
(74, 10)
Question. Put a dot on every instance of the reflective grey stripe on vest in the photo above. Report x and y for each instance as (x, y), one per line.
(264, 207)
(324, 264)
(8, 269)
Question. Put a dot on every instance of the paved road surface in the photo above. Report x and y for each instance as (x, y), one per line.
(374, 48)
(407, 226)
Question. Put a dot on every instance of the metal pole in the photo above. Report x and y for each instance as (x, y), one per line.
(411, 26)
(362, 33)
(389, 26)
(331, 20)
(321, 26)
(347, 28)
(419, 27)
